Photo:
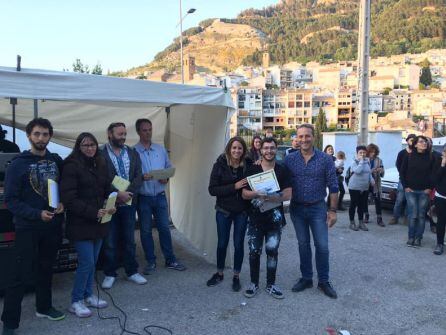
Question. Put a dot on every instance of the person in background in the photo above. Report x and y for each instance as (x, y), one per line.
(84, 188)
(5, 145)
(254, 152)
(226, 183)
(329, 150)
(430, 208)
(400, 202)
(358, 187)
(339, 166)
(266, 226)
(269, 133)
(376, 164)
(439, 179)
(416, 177)
(294, 146)
(124, 162)
(37, 227)
(152, 199)
(312, 172)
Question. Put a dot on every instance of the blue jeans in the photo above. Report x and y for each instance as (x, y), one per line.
(312, 217)
(122, 226)
(87, 256)
(224, 223)
(400, 202)
(158, 207)
(417, 202)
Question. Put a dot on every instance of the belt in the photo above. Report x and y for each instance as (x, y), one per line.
(148, 195)
(306, 204)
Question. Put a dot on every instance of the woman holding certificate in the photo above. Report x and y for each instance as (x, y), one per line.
(226, 183)
(84, 187)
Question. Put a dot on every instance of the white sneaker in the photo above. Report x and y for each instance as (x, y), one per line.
(137, 279)
(108, 282)
(94, 301)
(80, 309)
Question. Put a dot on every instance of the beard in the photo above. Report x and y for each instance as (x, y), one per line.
(119, 143)
(39, 146)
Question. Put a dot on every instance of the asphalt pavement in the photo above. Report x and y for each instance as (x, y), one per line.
(383, 286)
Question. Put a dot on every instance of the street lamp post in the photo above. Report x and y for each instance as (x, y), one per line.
(190, 11)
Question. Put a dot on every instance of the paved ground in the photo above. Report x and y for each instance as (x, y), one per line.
(383, 287)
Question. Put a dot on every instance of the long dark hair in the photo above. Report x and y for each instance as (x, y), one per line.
(253, 140)
(77, 154)
(228, 149)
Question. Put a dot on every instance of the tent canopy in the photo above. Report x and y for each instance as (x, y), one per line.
(191, 120)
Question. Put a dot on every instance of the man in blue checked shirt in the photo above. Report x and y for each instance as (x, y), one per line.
(152, 199)
(312, 172)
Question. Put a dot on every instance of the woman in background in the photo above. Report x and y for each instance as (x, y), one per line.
(376, 164)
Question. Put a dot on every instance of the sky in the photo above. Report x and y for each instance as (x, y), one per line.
(51, 34)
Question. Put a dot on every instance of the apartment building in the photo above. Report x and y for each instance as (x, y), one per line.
(346, 104)
(403, 101)
(249, 109)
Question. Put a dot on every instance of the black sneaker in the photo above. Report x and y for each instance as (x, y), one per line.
(328, 290)
(215, 279)
(175, 266)
(236, 287)
(149, 269)
(51, 314)
(410, 242)
(417, 242)
(252, 290)
(274, 291)
(439, 249)
(8, 331)
(302, 284)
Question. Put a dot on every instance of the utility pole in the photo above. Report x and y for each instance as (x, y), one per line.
(362, 107)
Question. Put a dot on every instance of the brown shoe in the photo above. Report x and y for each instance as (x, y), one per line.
(393, 221)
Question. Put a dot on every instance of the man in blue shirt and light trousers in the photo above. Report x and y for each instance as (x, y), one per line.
(152, 199)
(312, 172)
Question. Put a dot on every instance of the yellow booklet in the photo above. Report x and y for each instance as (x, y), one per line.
(111, 201)
(121, 185)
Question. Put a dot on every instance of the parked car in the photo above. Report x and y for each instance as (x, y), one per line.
(280, 155)
(389, 184)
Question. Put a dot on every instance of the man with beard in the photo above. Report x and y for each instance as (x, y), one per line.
(312, 173)
(152, 199)
(123, 162)
(267, 225)
(37, 227)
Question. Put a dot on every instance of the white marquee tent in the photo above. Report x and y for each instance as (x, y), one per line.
(192, 121)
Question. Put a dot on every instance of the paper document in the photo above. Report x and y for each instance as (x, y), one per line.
(53, 194)
(120, 184)
(162, 174)
(111, 201)
(264, 182)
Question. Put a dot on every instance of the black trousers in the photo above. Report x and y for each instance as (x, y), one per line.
(440, 207)
(358, 201)
(256, 236)
(377, 201)
(35, 252)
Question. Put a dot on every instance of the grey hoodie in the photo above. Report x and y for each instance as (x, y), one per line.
(362, 175)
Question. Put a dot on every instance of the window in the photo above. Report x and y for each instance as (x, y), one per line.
(306, 104)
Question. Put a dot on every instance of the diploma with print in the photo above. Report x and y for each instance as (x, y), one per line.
(111, 201)
(121, 185)
(162, 174)
(264, 182)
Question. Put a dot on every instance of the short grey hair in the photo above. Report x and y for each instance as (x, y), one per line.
(308, 126)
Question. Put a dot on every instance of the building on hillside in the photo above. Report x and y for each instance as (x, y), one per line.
(418, 95)
(274, 110)
(380, 83)
(402, 100)
(327, 78)
(429, 107)
(266, 60)
(188, 68)
(346, 105)
(404, 76)
(249, 109)
(327, 103)
(298, 104)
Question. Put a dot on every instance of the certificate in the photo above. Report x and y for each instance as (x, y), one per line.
(264, 182)
(53, 194)
(121, 185)
(162, 174)
(111, 201)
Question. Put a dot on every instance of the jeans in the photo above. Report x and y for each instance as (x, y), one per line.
(400, 202)
(36, 253)
(256, 235)
(224, 223)
(440, 207)
(87, 256)
(158, 207)
(417, 202)
(122, 225)
(314, 217)
(358, 200)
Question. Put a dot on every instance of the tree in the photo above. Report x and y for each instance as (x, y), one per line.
(79, 67)
(426, 75)
(97, 69)
(320, 127)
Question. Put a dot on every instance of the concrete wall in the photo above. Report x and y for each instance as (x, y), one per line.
(342, 141)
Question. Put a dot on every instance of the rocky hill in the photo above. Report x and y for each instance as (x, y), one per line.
(304, 30)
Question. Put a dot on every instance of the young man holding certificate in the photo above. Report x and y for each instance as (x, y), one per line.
(269, 185)
(124, 167)
(37, 226)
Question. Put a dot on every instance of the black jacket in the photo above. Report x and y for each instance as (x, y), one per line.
(222, 185)
(26, 188)
(135, 170)
(439, 177)
(84, 187)
(416, 171)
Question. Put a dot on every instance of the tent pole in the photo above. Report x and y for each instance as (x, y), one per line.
(13, 102)
(36, 109)
(167, 146)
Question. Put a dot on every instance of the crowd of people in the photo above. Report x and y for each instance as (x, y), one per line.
(312, 180)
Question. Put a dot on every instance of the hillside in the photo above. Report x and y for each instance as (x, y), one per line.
(304, 30)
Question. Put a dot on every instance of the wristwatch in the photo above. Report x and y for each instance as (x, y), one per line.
(332, 210)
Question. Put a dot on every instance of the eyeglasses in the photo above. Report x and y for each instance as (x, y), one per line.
(269, 148)
(92, 145)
